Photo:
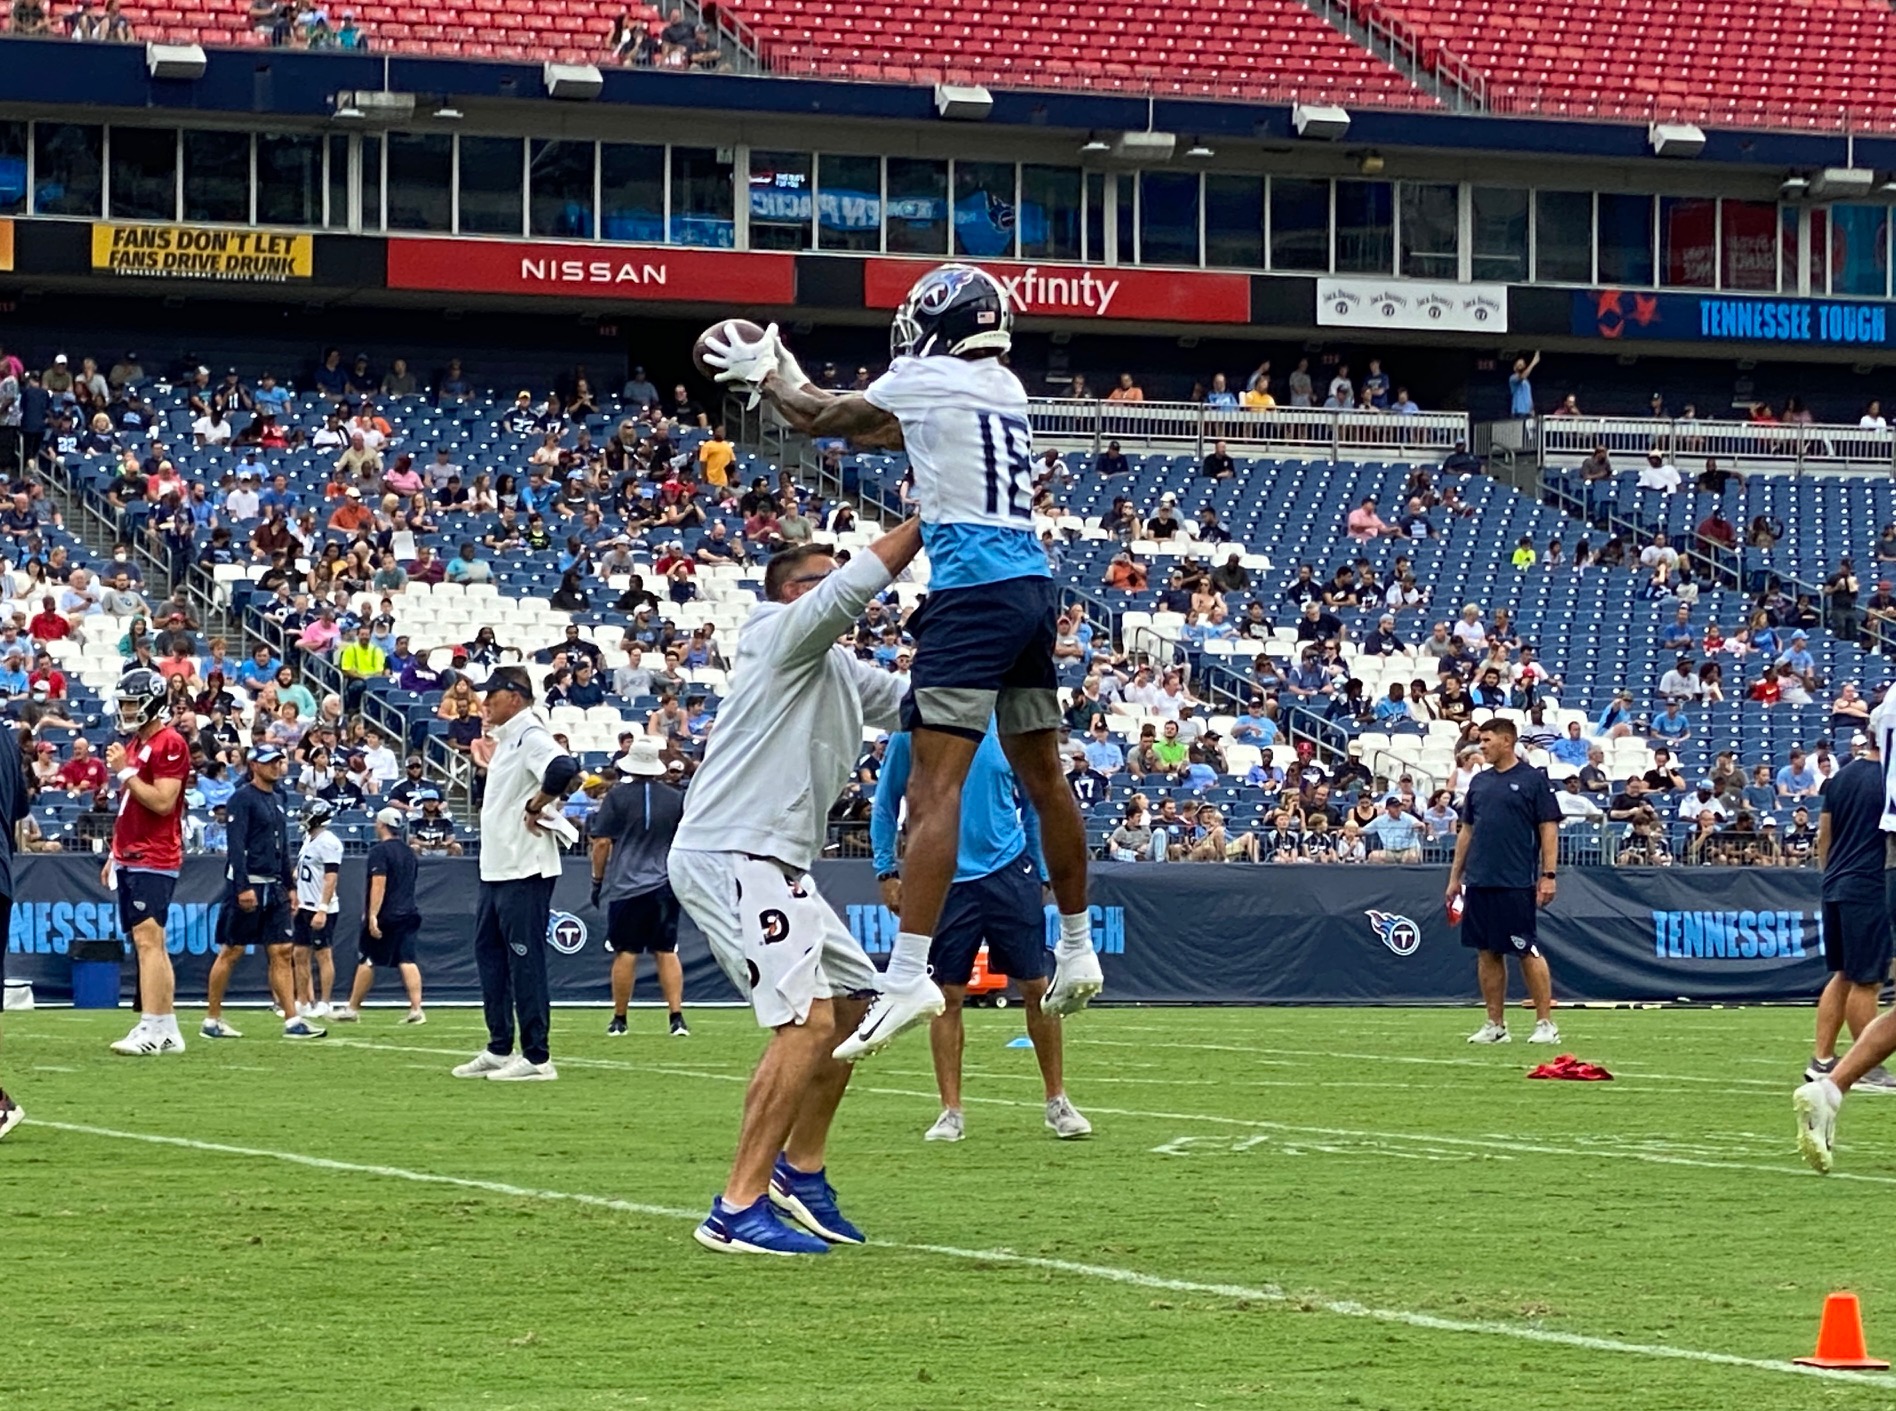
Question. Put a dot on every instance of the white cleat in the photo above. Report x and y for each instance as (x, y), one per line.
(319, 1010)
(343, 1014)
(890, 1013)
(1065, 1121)
(1816, 1106)
(1490, 1033)
(414, 1016)
(146, 1041)
(1076, 979)
(11, 1114)
(219, 1029)
(481, 1064)
(947, 1128)
(519, 1070)
(1544, 1033)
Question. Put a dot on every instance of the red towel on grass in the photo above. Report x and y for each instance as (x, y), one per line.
(1573, 1069)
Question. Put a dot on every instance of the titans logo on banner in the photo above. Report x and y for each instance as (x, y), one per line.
(1399, 933)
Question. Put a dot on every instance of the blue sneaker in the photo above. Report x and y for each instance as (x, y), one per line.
(808, 1198)
(753, 1230)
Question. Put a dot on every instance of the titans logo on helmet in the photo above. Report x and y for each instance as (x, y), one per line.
(1399, 933)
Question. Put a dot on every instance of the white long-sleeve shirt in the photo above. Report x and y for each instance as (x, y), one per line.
(523, 748)
(790, 730)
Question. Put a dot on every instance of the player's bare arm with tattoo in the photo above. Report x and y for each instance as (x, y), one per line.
(846, 414)
(765, 367)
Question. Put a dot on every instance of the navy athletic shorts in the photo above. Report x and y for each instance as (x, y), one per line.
(396, 945)
(1503, 920)
(1857, 941)
(985, 651)
(143, 896)
(303, 934)
(644, 923)
(1004, 909)
(268, 924)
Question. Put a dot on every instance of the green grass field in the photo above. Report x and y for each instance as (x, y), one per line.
(1287, 1207)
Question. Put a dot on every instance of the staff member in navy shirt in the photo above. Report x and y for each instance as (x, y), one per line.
(1857, 941)
(1510, 831)
(391, 919)
(257, 883)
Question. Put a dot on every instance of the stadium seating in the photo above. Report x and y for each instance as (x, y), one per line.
(1279, 49)
(1707, 61)
(1289, 512)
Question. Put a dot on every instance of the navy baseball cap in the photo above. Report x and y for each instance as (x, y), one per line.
(266, 754)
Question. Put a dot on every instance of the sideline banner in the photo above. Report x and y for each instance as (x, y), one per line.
(1167, 934)
(196, 252)
(1084, 291)
(660, 273)
(1441, 306)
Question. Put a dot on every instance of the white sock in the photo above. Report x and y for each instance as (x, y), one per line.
(151, 1021)
(1076, 934)
(908, 962)
(169, 1023)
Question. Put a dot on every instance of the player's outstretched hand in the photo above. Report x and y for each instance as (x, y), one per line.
(740, 361)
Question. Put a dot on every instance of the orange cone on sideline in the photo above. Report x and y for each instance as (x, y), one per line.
(1840, 1337)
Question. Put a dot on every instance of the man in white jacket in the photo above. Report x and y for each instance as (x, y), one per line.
(755, 819)
(520, 860)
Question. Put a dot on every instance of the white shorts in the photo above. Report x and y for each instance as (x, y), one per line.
(771, 932)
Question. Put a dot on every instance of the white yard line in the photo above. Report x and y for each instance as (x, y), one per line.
(1265, 1293)
(1333, 1055)
(1500, 1142)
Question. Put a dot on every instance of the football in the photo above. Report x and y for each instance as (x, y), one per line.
(742, 327)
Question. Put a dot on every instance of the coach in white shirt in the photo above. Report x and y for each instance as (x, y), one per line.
(520, 861)
(756, 818)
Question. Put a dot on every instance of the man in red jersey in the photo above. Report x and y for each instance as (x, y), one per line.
(148, 850)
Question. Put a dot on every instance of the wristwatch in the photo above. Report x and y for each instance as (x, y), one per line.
(888, 876)
(1547, 876)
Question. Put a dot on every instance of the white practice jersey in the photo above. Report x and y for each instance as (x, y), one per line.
(970, 446)
(320, 852)
(790, 729)
(1883, 731)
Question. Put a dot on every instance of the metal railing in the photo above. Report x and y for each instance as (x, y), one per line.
(1193, 426)
(1741, 444)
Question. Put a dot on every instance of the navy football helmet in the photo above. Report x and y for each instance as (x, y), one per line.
(141, 696)
(953, 310)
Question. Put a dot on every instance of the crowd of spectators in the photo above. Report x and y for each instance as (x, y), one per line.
(85, 22)
(678, 43)
(610, 510)
(1331, 387)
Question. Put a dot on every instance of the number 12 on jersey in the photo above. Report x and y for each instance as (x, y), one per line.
(1007, 442)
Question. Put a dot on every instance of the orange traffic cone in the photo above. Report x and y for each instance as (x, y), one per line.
(1840, 1337)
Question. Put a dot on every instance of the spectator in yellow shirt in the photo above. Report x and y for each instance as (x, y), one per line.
(360, 662)
(1126, 391)
(1257, 397)
(1524, 555)
(715, 456)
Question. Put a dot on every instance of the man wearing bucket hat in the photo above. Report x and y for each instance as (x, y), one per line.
(257, 888)
(631, 837)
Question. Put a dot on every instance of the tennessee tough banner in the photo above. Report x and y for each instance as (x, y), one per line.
(1166, 934)
(201, 252)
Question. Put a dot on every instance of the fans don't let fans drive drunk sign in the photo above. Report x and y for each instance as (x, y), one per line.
(197, 252)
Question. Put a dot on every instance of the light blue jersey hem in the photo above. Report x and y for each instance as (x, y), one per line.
(969, 555)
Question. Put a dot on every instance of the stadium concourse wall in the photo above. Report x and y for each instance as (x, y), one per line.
(1168, 934)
